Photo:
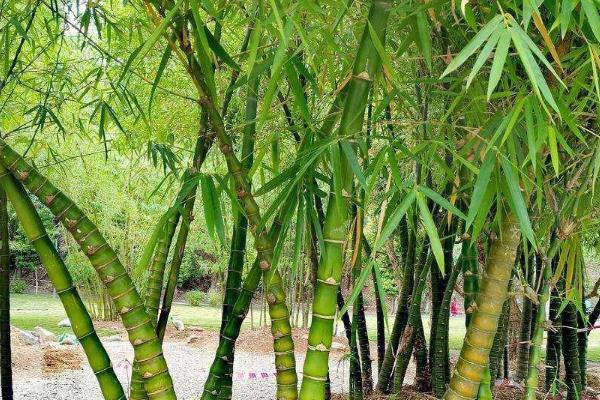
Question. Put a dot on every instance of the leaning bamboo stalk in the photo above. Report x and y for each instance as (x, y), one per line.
(285, 362)
(137, 322)
(231, 331)
(61, 280)
(479, 339)
(5, 349)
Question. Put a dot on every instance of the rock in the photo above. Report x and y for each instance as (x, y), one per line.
(67, 339)
(179, 325)
(65, 323)
(113, 338)
(28, 338)
(44, 335)
(193, 339)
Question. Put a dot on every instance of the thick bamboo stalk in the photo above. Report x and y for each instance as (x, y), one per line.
(139, 326)
(285, 362)
(5, 349)
(474, 355)
(329, 271)
(61, 280)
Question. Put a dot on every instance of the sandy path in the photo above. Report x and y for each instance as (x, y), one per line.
(189, 365)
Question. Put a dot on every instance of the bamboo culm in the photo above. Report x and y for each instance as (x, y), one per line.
(570, 351)
(408, 336)
(5, 349)
(401, 318)
(336, 220)
(525, 332)
(137, 322)
(59, 275)
(553, 342)
(474, 356)
(535, 350)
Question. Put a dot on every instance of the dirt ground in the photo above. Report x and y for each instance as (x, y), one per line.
(66, 369)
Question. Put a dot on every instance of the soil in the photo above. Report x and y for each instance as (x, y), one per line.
(64, 369)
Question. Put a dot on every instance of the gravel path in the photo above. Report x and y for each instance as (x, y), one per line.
(189, 366)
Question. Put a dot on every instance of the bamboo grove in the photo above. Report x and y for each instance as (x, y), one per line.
(326, 146)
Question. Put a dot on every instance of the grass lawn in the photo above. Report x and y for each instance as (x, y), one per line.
(28, 311)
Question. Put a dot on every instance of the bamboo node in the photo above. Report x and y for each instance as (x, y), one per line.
(363, 76)
(137, 342)
(91, 250)
(124, 310)
(265, 265)
(225, 148)
(23, 175)
(71, 223)
(271, 299)
(191, 217)
(49, 200)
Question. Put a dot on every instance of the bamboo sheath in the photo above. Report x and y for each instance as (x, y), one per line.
(137, 322)
(493, 291)
(61, 280)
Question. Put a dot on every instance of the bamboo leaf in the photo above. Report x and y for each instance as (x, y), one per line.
(592, 16)
(353, 161)
(553, 149)
(441, 201)
(498, 63)
(431, 229)
(473, 45)
(517, 202)
(161, 68)
(480, 187)
(156, 34)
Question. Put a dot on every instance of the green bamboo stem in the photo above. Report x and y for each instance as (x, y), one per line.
(285, 362)
(153, 295)
(535, 350)
(238, 242)
(61, 280)
(5, 349)
(329, 272)
(203, 144)
(137, 322)
(474, 355)
(231, 332)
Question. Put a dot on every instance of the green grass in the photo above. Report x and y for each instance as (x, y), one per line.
(29, 311)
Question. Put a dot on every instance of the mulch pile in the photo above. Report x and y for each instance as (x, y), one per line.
(58, 360)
